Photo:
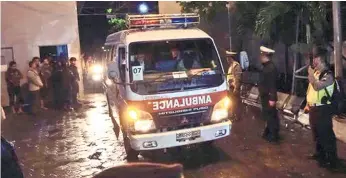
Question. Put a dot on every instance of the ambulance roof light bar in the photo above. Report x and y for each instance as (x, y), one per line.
(161, 20)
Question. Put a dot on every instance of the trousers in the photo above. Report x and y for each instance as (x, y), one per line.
(270, 115)
(15, 95)
(320, 118)
(34, 101)
(236, 104)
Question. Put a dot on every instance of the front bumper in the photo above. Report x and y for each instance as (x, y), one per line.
(168, 139)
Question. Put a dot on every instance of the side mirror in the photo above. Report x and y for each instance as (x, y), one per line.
(112, 70)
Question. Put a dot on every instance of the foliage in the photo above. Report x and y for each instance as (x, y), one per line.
(271, 20)
(206, 9)
(117, 24)
(277, 20)
(245, 14)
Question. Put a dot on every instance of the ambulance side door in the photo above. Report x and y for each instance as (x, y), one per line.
(121, 88)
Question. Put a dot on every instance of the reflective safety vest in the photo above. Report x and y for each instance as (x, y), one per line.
(231, 71)
(315, 97)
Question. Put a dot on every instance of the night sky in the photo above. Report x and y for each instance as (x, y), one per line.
(93, 29)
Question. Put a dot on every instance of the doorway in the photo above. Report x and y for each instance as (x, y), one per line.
(58, 52)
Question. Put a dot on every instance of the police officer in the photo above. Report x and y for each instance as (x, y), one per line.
(267, 90)
(233, 79)
(320, 108)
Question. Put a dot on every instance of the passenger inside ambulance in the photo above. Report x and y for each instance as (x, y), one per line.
(142, 58)
(174, 56)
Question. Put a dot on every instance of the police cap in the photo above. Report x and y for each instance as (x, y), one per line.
(266, 50)
(320, 51)
(230, 53)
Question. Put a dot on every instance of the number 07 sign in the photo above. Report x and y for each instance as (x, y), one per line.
(137, 73)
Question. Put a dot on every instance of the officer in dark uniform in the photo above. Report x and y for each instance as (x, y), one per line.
(321, 109)
(267, 90)
(75, 80)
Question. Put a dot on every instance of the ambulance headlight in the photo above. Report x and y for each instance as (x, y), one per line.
(142, 121)
(221, 110)
(97, 69)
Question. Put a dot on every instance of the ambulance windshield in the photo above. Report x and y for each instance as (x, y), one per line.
(193, 60)
(174, 56)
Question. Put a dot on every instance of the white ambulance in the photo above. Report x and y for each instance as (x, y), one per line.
(166, 83)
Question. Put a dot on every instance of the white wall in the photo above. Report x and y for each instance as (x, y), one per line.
(169, 7)
(27, 25)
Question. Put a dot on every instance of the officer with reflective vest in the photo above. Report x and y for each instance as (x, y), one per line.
(267, 90)
(321, 110)
(233, 79)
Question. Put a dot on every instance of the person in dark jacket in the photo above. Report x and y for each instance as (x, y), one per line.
(9, 161)
(57, 85)
(13, 77)
(67, 81)
(45, 73)
(74, 82)
(267, 90)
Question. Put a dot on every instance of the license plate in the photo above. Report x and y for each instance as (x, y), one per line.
(188, 135)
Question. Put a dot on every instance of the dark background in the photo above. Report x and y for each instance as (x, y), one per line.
(93, 23)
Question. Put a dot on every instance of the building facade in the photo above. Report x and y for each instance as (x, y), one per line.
(31, 29)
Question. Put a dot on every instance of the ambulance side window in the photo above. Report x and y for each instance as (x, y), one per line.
(121, 63)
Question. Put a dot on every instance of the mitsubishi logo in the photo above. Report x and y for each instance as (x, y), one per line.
(184, 120)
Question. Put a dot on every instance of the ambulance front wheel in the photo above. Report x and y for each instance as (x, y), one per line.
(132, 155)
(207, 145)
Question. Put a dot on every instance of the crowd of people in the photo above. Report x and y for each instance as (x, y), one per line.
(48, 80)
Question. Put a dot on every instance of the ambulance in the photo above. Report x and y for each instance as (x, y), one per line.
(166, 85)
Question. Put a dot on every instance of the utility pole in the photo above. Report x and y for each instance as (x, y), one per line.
(337, 40)
(295, 56)
(228, 5)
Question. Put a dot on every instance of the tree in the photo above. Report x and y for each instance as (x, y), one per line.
(205, 9)
(276, 20)
(273, 20)
(117, 24)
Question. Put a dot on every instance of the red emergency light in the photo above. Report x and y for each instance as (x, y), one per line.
(145, 22)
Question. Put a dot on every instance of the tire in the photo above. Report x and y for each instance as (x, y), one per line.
(132, 155)
(207, 145)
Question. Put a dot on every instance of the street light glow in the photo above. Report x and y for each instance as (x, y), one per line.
(143, 8)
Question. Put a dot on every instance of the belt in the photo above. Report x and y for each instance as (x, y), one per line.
(316, 105)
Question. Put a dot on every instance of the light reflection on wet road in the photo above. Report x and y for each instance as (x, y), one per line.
(82, 143)
(75, 144)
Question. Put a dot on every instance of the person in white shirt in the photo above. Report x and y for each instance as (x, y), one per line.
(34, 84)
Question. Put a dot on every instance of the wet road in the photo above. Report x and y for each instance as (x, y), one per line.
(82, 143)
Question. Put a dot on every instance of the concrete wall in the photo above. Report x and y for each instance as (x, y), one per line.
(169, 7)
(27, 25)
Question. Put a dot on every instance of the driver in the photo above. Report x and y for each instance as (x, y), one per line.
(176, 55)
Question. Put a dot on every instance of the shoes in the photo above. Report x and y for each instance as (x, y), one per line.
(271, 138)
(265, 133)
